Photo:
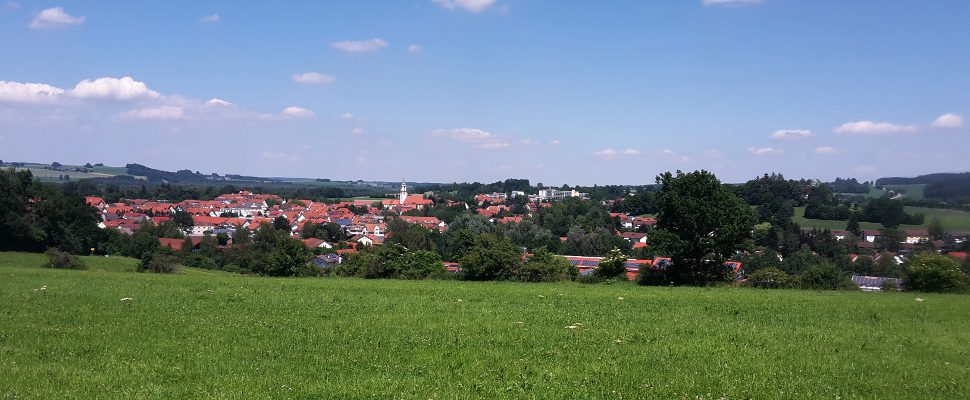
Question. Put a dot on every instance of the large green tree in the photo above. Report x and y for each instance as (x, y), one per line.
(700, 223)
(491, 258)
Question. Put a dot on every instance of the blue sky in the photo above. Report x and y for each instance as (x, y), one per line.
(482, 90)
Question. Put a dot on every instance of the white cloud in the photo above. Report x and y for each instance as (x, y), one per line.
(360, 46)
(218, 103)
(467, 5)
(477, 138)
(385, 142)
(463, 134)
(764, 151)
(297, 112)
(54, 18)
(610, 154)
(357, 131)
(492, 145)
(865, 169)
(827, 150)
(210, 19)
(415, 49)
(124, 88)
(348, 117)
(948, 121)
(873, 128)
(672, 155)
(13, 5)
(606, 153)
(314, 78)
(16, 92)
(791, 134)
(729, 3)
(528, 142)
(554, 142)
(155, 113)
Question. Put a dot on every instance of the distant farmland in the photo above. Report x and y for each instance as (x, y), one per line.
(954, 220)
(210, 334)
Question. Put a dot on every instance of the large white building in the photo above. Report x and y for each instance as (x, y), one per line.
(553, 194)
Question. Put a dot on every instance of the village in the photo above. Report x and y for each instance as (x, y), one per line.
(364, 223)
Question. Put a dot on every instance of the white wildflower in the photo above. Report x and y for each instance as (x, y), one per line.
(541, 296)
(619, 298)
(571, 327)
(618, 341)
(919, 300)
(126, 299)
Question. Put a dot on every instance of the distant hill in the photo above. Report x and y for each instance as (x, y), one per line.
(944, 186)
(186, 176)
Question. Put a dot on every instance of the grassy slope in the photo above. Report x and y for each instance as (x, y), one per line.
(953, 220)
(242, 337)
(911, 192)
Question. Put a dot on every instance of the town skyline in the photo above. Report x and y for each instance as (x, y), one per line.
(483, 90)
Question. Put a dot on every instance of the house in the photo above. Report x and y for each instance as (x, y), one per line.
(916, 235)
(875, 283)
(872, 235)
(327, 260)
(95, 202)
(840, 235)
(634, 237)
(960, 236)
(368, 240)
(314, 243)
(427, 222)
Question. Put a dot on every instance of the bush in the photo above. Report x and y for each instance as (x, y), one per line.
(417, 264)
(199, 261)
(889, 286)
(544, 266)
(163, 261)
(62, 260)
(649, 276)
(771, 278)
(934, 273)
(613, 265)
(824, 276)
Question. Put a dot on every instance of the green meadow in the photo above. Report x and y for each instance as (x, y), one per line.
(953, 220)
(195, 334)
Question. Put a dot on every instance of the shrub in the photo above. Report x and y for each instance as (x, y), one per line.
(771, 278)
(824, 276)
(62, 260)
(613, 265)
(649, 276)
(544, 266)
(162, 261)
(934, 273)
(199, 261)
(417, 264)
(889, 286)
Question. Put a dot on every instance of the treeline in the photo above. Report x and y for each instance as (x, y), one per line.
(944, 186)
(139, 189)
(850, 185)
(181, 176)
(36, 216)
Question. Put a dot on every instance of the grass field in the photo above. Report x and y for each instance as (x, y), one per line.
(911, 192)
(224, 336)
(953, 220)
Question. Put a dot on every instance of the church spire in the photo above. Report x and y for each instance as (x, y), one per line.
(404, 191)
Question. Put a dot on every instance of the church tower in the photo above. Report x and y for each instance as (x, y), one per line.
(404, 191)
